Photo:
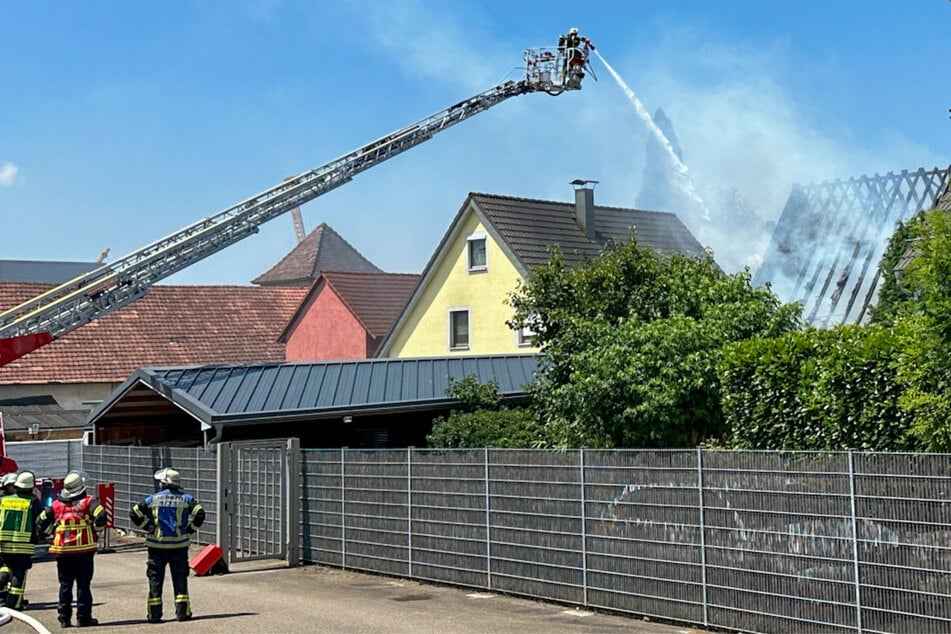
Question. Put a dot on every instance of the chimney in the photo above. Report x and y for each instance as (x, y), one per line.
(584, 206)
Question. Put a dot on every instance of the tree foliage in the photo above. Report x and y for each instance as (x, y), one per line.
(631, 341)
(924, 368)
(481, 421)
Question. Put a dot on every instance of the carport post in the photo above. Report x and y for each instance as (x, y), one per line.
(293, 514)
(225, 512)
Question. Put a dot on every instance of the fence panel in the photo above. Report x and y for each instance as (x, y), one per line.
(132, 468)
(779, 542)
(643, 533)
(47, 458)
(322, 506)
(535, 523)
(376, 511)
(903, 516)
(449, 522)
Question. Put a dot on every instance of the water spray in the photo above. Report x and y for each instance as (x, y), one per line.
(686, 185)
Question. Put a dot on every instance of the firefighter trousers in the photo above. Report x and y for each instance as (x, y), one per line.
(17, 564)
(75, 568)
(177, 561)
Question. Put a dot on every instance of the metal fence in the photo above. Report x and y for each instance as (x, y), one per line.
(743, 541)
(750, 541)
(131, 469)
(47, 458)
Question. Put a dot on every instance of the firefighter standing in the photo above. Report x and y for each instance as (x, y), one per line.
(574, 49)
(74, 520)
(169, 517)
(18, 536)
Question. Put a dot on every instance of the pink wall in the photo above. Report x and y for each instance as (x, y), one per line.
(327, 331)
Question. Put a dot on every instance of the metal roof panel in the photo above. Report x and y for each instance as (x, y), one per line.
(322, 389)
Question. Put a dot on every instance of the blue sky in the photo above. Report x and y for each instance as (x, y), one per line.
(122, 122)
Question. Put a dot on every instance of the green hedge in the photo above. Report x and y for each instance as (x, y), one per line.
(818, 389)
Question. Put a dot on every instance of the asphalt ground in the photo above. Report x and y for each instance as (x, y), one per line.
(269, 597)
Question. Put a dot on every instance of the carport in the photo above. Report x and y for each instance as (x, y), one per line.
(366, 403)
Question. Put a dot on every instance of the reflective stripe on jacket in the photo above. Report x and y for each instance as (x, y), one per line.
(170, 516)
(18, 513)
(76, 525)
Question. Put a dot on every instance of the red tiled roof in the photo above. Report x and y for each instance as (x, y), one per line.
(322, 250)
(171, 326)
(376, 299)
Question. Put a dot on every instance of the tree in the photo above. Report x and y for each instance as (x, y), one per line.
(631, 340)
(924, 368)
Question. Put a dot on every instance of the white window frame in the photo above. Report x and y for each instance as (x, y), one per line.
(449, 331)
(524, 337)
(479, 268)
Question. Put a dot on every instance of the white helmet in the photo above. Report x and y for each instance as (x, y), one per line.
(25, 481)
(168, 476)
(7, 480)
(573, 31)
(74, 486)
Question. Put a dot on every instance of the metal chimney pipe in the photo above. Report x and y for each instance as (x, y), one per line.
(584, 206)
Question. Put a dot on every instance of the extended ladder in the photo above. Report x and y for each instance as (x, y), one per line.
(42, 319)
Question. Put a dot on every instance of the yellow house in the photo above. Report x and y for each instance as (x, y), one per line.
(459, 305)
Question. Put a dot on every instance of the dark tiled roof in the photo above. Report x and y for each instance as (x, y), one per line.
(376, 299)
(310, 391)
(831, 236)
(43, 272)
(322, 250)
(19, 417)
(529, 227)
(183, 325)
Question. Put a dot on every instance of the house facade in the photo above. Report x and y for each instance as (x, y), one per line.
(460, 306)
(345, 315)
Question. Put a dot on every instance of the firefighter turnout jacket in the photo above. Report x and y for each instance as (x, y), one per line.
(169, 517)
(75, 524)
(18, 523)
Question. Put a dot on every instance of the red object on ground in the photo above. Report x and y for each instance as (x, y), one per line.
(15, 347)
(206, 559)
(107, 498)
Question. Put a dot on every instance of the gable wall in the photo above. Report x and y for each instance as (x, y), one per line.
(327, 330)
(424, 331)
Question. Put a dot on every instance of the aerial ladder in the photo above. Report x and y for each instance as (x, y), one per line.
(48, 316)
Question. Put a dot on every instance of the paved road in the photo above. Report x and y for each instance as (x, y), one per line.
(269, 598)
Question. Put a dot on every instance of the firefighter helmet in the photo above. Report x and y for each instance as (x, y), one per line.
(7, 480)
(169, 476)
(573, 31)
(74, 486)
(26, 481)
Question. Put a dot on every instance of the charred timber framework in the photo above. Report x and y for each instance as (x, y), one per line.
(830, 238)
(44, 318)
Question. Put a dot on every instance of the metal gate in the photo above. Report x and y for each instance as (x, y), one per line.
(258, 497)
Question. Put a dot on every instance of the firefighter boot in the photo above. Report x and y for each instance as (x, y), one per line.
(154, 614)
(183, 610)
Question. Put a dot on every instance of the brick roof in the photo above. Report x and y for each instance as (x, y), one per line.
(322, 250)
(530, 226)
(376, 299)
(172, 325)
